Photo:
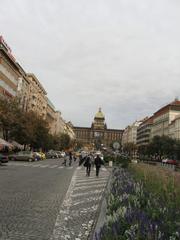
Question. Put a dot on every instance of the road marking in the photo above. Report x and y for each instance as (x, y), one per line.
(79, 168)
(90, 180)
(87, 193)
(54, 166)
(60, 167)
(91, 183)
(91, 199)
(82, 190)
(44, 166)
(37, 165)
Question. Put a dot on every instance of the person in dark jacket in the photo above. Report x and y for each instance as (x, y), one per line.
(87, 164)
(70, 158)
(98, 163)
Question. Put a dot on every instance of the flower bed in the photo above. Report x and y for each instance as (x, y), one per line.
(136, 211)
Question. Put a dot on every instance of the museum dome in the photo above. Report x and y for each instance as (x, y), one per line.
(99, 114)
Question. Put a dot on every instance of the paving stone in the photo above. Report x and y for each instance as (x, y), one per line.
(79, 210)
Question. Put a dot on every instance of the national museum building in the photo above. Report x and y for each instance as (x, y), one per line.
(98, 133)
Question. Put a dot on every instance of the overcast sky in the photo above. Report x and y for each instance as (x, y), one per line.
(121, 55)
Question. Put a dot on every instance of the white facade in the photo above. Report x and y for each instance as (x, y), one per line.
(130, 133)
(165, 121)
(174, 128)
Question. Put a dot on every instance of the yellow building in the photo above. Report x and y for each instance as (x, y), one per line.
(38, 99)
(51, 117)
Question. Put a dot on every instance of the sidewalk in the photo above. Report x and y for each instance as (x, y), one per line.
(79, 211)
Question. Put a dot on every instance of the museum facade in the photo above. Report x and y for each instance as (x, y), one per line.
(98, 133)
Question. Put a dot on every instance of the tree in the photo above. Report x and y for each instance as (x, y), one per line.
(8, 115)
(162, 146)
(65, 141)
(130, 148)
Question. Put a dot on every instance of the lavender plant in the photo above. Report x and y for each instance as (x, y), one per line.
(134, 213)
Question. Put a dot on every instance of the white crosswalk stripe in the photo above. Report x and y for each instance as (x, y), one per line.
(80, 178)
(44, 166)
(82, 190)
(54, 166)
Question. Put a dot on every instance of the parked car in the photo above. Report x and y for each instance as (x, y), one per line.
(51, 155)
(43, 156)
(58, 154)
(169, 161)
(37, 156)
(23, 156)
(3, 158)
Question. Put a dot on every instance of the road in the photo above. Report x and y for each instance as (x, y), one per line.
(45, 200)
(30, 197)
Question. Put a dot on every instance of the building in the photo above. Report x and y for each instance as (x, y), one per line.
(51, 117)
(98, 133)
(70, 130)
(9, 71)
(164, 117)
(23, 89)
(174, 128)
(130, 133)
(60, 124)
(144, 132)
(38, 96)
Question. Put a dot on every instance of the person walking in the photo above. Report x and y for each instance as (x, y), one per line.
(98, 163)
(65, 159)
(87, 164)
(70, 158)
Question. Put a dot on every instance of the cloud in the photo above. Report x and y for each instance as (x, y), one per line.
(122, 55)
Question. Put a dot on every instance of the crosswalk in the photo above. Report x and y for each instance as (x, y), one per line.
(78, 213)
(49, 166)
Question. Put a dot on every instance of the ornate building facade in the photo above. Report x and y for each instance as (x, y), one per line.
(98, 133)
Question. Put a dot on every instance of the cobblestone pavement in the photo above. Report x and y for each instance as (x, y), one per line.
(79, 210)
(30, 196)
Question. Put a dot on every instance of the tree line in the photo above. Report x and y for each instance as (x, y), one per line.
(159, 147)
(29, 129)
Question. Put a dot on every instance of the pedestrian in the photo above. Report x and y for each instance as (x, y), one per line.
(74, 157)
(98, 162)
(87, 164)
(70, 158)
(65, 159)
(80, 159)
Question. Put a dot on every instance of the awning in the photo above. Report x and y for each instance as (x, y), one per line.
(4, 143)
(17, 145)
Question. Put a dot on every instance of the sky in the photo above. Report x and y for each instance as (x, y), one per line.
(120, 55)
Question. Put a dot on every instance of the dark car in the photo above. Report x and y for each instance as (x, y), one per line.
(3, 158)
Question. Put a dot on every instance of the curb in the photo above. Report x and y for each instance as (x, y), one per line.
(100, 215)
